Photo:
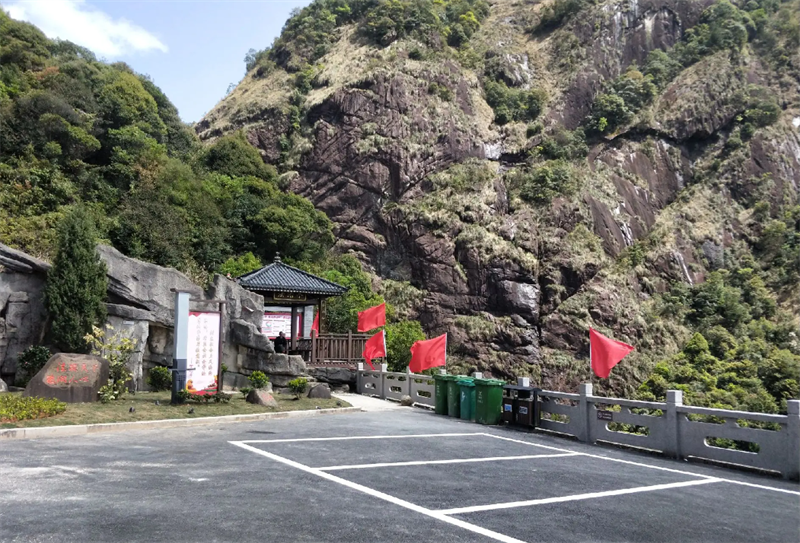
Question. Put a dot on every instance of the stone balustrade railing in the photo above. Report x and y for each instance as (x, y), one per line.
(763, 441)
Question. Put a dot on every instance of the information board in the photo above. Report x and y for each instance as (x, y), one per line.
(203, 356)
(275, 323)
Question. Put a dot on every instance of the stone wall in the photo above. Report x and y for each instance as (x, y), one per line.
(140, 306)
(23, 319)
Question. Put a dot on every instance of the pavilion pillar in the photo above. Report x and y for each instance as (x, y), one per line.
(319, 312)
(294, 327)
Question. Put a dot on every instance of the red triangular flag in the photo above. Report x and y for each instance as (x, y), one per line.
(375, 348)
(428, 353)
(315, 324)
(372, 318)
(605, 353)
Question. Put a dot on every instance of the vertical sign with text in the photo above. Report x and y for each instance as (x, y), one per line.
(204, 353)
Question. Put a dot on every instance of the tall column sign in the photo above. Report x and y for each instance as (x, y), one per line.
(204, 353)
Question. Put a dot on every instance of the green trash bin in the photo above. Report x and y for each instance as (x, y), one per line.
(467, 387)
(454, 395)
(440, 383)
(488, 400)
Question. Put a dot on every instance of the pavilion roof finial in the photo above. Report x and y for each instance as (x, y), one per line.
(277, 257)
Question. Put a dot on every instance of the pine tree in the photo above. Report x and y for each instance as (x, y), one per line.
(76, 284)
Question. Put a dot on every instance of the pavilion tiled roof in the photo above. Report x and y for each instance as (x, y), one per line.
(280, 277)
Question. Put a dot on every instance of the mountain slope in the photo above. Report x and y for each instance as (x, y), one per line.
(514, 172)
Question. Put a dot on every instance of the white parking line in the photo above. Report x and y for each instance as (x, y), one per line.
(451, 461)
(661, 468)
(575, 497)
(380, 495)
(348, 438)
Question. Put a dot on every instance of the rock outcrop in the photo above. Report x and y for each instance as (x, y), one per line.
(140, 306)
(23, 319)
(71, 378)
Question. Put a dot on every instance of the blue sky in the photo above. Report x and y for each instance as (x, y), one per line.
(193, 49)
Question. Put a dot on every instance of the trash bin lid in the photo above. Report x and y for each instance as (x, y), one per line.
(489, 382)
(466, 382)
(445, 377)
(519, 387)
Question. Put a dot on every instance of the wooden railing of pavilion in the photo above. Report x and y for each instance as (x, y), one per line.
(332, 350)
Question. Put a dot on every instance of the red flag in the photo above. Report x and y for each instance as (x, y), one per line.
(428, 353)
(375, 348)
(372, 318)
(605, 353)
(315, 324)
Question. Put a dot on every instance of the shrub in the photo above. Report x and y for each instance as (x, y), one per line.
(298, 386)
(217, 397)
(661, 67)
(32, 359)
(14, 408)
(511, 104)
(160, 378)
(541, 184)
(117, 350)
(624, 97)
(564, 144)
(557, 12)
(245, 391)
(416, 54)
(258, 380)
(442, 91)
(76, 284)
(534, 129)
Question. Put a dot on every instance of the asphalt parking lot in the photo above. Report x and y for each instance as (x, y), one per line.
(390, 476)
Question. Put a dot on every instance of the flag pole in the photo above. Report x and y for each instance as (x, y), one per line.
(445, 352)
(591, 370)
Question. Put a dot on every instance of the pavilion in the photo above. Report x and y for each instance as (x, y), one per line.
(290, 296)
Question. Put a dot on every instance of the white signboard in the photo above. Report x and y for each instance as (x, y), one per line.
(203, 352)
(275, 323)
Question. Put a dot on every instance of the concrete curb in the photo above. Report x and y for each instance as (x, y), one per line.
(84, 429)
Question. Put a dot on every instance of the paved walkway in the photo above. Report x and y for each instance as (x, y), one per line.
(367, 403)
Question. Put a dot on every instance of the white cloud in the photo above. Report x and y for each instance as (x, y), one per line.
(80, 23)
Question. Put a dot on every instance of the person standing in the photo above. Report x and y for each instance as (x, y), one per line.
(280, 343)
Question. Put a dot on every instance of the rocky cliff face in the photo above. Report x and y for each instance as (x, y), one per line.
(402, 151)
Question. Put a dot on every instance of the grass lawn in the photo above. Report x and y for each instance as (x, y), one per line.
(146, 409)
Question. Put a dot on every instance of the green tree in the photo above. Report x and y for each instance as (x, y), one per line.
(240, 265)
(124, 101)
(233, 156)
(400, 336)
(76, 284)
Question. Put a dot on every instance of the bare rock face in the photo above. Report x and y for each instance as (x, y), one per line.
(19, 262)
(143, 285)
(3, 386)
(335, 377)
(23, 318)
(261, 397)
(248, 335)
(703, 99)
(71, 378)
(320, 391)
